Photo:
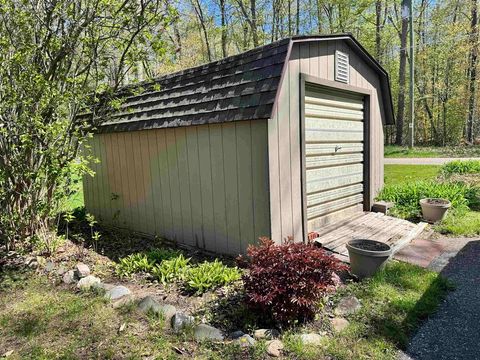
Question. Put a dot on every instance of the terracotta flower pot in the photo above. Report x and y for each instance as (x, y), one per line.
(434, 210)
(367, 256)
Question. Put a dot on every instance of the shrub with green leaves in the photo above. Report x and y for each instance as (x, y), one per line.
(461, 167)
(407, 196)
(210, 275)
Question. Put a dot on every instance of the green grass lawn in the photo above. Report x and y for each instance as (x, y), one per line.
(40, 320)
(393, 151)
(397, 174)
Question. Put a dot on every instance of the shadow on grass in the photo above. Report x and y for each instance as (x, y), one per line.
(396, 300)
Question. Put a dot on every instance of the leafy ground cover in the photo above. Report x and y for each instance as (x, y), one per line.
(457, 181)
(40, 319)
(393, 151)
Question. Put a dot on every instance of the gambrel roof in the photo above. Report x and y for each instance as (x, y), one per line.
(239, 87)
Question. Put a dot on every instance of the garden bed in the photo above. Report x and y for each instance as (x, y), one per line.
(41, 319)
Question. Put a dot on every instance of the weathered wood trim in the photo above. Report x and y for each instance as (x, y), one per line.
(303, 166)
(335, 85)
(367, 180)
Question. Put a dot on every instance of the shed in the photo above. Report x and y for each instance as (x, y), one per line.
(279, 141)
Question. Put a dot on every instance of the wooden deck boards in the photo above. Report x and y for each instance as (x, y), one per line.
(375, 226)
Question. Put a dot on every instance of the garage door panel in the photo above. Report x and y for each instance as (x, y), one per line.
(331, 206)
(316, 135)
(329, 195)
(332, 160)
(316, 111)
(332, 149)
(333, 182)
(332, 98)
(333, 125)
(334, 135)
(318, 174)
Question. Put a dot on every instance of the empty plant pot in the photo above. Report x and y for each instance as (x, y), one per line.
(367, 256)
(434, 210)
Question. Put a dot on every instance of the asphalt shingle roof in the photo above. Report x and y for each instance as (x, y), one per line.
(239, 87)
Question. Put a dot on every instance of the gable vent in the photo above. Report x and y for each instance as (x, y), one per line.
(342, 68)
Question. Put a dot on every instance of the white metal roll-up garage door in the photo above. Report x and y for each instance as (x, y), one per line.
(334, 150)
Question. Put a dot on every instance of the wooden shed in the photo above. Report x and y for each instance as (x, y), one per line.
(278, 141)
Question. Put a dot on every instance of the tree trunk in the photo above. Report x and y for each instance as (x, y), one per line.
(198, 10)
(289, 17)
(402, 73)
(472, 72)
(224, 28)
(298, 18)
(378, 29)
(253, 23)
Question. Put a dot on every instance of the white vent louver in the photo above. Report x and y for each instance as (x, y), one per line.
(342, 68)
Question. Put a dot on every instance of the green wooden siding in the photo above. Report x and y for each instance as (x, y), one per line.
(203, 186)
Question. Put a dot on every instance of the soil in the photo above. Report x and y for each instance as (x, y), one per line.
(370, 245)
(437, 202)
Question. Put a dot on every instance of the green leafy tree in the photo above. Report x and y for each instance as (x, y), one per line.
(55, 55)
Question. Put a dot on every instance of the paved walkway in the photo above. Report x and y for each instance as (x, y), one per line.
(422, 161)
(453, 331)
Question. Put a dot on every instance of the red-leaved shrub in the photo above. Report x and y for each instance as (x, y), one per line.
(288, 280)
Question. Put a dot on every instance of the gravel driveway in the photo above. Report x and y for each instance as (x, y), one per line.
(422, 161)
(453, 332)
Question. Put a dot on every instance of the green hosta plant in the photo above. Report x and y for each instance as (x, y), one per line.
(171, 270)
(133, 263)
(210, 275)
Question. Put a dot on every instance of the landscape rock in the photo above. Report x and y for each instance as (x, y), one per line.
(117, 292)
(82, 270)
(181, 321)
(236, 334)
(126, 300)
(339, 324)
(49, 266)
(310, 339)
(147, 304)
(266, 334)
(103, 286)
(245, 341)
(69, 277)
(61, 270)
(274, 348)
(347, 306)
(207, 332)
(87, 282)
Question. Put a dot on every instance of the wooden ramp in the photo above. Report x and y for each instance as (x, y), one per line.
(375, 226)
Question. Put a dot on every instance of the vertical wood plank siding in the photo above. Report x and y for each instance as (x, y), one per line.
(204, 186)
(316, 59)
